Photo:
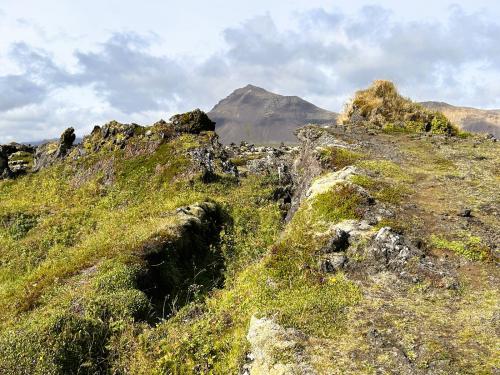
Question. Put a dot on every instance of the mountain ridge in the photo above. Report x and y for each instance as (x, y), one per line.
(257, 115)
(469, 118)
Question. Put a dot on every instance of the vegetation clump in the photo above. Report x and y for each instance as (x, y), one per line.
(468, 246)
(337, 157)
(381, 106)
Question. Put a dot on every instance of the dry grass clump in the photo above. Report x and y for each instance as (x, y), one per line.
(381, 106)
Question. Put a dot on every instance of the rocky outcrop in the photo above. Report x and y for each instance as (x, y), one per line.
(15, 159)
(275, 350)
(327, 182)
(392, 250)
(192, 122)
(112, 135)
(136, 138)
(65, 142)
(211, 159)
(5, 171)
(307, 165)
(48, 153)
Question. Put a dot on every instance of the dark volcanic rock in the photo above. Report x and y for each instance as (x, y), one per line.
(338, 242)
(333, 262)
(66, 142)
(392, 250)
(192, 122)
(466, 212)
(15, 159)
(48, 153)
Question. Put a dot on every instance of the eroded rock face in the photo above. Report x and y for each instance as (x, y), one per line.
(175, 256)
(275, 350)
(392, 249)
(15, 159)
(48, 153)
(112, 135)
(211, 159)
(192, 122)
(66, 142)
(5, 171)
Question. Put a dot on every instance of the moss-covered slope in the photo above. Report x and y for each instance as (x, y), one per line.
(145, 250)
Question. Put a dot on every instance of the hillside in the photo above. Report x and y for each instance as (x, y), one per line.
(259, 116)
(471, 119)
(370, 247)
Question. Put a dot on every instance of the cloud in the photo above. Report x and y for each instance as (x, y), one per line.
(324, 58)
(19, 91)
(129, 77)
(335, 52)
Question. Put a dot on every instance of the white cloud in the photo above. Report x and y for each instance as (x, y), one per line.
(324, 57)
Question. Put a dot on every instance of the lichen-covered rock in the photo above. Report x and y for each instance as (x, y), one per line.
(45, 155)
(112, 135)
(192, 122)
(48, 153)
(332, 262)
(66, 142)
(275, 350)
(326, 182)
(211, 159)
(392, 249)
(15, 159)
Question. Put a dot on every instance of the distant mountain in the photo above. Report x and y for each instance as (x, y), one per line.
(471, 119)
(41, 142)
(259, 116)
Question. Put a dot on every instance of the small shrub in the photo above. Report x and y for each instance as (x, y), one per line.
(382, 106)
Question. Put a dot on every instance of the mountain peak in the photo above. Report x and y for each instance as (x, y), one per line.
(257, 115)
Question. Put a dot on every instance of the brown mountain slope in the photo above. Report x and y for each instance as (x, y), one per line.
(472, 119)
(256, 115)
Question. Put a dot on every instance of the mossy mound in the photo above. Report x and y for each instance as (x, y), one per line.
(381, 106)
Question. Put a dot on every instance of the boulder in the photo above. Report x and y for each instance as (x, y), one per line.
(5, 171)
(192, 122)
(392, 250)
(332, 262)
(275, 350)
(325, 183)
(15, 159)
(65, 142)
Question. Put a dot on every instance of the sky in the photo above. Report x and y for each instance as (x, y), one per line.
(83, 63)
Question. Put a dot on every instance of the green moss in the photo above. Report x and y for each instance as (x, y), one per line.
(19, 224)
(386, 168)
(59, 344)
(342, 202)
(470, 247)
(392, 193)
(364, 181)
(337, 157)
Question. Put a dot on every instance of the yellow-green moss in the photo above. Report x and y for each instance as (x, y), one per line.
(470, 247)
